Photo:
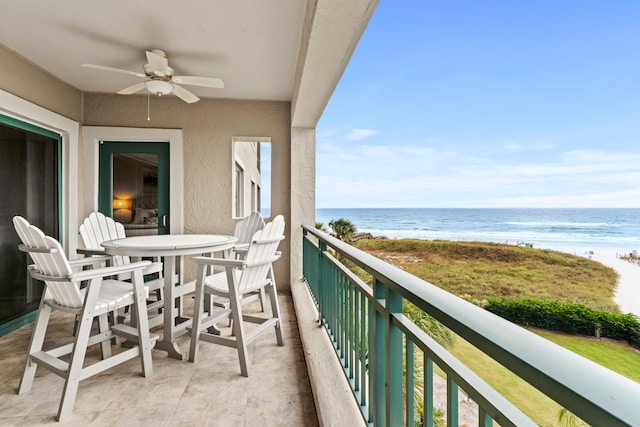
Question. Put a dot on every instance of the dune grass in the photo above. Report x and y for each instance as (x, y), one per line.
(477, 270)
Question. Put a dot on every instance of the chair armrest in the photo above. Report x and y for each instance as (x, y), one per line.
(223, 262)
(241, 248)
(88, 274)
(89, 251)
(275, 239)
(89, 261)
(109, 271)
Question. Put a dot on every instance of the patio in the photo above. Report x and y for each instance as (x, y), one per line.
(209, 392)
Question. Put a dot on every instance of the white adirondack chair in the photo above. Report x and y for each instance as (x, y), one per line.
(241, 276)
(99, 298)
(98, 228)
(243, 232)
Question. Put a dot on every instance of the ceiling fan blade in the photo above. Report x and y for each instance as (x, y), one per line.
(117, 70)
(132, 89)
(184, 94)
(157, 62)
(199, 81)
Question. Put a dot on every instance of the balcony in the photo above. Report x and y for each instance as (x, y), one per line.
(330, 375)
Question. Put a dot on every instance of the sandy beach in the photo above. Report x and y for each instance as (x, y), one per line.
(627, 294)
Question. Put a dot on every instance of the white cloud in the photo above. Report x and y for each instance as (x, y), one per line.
(412, 176)
(533, 145)
(358, 134)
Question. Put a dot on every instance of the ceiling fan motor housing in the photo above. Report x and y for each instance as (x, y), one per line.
(158, 86)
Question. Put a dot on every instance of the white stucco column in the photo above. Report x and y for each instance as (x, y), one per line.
(303, 192)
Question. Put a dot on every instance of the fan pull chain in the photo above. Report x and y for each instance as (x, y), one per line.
(148, 116)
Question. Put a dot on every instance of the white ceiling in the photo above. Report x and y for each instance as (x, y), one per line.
(252, 45)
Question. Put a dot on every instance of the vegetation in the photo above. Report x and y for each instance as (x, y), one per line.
(615, 355)
(320, 226)
(562, 316)
(342, 229)
(504, 274)
(479, 270)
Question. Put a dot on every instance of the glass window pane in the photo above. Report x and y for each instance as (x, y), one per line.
(135, 192)
(29, 170)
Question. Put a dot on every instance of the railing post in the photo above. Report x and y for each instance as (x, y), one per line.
(322, 246)
(409, 382)
(386, 359)
(377, 354)
(393, 370)
(428, 391)
(452, 402)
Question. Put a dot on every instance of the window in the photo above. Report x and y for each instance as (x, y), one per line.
(239, 193)
(252, 188)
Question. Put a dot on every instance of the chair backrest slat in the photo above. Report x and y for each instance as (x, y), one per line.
(247, 227)
(264, 245)
(98, 228)
(51, 263)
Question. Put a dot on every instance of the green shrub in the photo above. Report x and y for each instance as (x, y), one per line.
(562, 316)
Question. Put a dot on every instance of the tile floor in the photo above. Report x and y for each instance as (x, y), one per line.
(210, 392)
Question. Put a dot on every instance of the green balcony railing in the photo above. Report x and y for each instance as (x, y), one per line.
(377, 347)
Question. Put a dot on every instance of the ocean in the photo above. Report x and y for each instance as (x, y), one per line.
(577, 231)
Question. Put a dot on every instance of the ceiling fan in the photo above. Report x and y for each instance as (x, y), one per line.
(160, 79)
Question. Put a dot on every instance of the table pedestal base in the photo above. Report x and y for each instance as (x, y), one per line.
(171, 348)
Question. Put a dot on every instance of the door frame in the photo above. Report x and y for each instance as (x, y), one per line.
(91, 138)
(105, 179)
(69, 130)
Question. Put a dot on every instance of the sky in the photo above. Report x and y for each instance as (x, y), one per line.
(514, 103)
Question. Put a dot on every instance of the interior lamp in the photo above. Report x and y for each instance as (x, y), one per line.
(158, 87)
(121, 204)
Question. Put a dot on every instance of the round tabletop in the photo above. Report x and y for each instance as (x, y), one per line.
(169, 244)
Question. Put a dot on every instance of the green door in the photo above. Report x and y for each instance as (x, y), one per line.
(134, 185)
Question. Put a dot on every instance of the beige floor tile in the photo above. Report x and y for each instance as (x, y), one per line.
(210, 392)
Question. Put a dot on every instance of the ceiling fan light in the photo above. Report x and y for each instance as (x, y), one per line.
(158, 87)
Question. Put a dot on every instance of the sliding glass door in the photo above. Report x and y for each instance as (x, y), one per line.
(30, 177)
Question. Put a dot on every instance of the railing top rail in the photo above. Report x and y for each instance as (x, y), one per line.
(589, 390)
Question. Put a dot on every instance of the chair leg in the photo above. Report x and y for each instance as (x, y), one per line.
(37, 340)
(198, 311)
(238, 330)
(275, 306)
(142, 323)
(275, 311)
(103, 324)
(72, 380)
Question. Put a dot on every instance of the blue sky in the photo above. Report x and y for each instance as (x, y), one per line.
(449, 103)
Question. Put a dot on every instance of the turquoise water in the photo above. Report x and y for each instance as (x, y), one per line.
(569, 230)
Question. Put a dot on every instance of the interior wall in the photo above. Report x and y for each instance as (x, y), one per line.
(208, 128)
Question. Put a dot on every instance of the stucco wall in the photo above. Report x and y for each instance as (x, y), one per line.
(208, 128)
(22, 78)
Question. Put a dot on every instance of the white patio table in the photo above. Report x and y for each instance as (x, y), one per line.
(171, 247)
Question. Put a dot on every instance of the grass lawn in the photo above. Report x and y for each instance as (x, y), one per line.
(529, 400)
(615, 356)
